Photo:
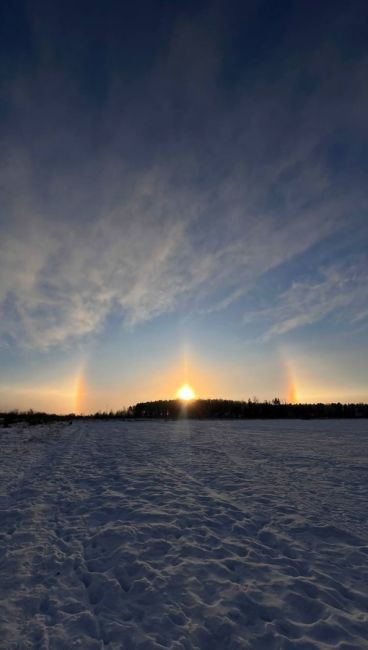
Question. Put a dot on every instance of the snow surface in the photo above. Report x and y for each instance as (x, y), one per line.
(184, 535)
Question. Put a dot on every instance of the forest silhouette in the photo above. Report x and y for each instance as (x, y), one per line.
(200, 409)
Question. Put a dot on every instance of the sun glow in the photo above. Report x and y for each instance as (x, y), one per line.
(186, 393)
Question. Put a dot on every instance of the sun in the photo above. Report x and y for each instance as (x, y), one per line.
(186, 393)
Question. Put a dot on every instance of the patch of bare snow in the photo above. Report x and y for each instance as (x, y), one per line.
(184, 535)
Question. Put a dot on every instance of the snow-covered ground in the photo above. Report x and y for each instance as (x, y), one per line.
(184, 535)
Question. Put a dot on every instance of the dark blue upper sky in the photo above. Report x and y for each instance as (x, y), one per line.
(183, 192)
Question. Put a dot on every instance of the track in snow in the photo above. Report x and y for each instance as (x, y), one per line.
(187, 535)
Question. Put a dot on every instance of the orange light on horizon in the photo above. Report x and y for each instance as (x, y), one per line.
(80, 393)
(186, 393)
(292, 393)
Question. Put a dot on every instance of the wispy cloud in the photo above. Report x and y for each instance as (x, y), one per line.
(339, 289)
(173, 193)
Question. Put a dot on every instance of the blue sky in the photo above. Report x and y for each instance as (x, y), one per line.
(183, 199)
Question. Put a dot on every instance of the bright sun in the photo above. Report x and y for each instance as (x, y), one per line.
(186, 393)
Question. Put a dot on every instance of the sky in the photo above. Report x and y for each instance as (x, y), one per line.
(183, 199)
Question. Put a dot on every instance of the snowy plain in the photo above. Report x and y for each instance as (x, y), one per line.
(184, 535)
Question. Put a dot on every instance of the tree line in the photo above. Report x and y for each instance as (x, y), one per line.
(200, 409)
(250, 409)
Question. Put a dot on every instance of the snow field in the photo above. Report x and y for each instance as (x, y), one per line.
(184, 535)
